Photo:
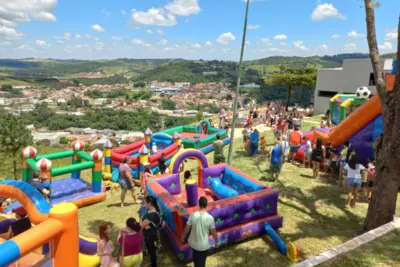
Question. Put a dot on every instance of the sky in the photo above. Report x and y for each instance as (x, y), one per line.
(190, 29)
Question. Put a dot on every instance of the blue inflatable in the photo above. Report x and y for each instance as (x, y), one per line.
(275, 237)
(115, 176)
(222, 191)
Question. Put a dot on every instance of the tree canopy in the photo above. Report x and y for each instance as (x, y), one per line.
(293, 77)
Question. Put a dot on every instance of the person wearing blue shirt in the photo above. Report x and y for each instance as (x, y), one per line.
(254, 139)
(276, 160)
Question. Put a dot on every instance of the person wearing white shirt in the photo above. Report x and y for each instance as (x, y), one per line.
(353, 170)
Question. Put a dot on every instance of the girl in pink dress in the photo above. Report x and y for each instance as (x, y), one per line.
(104, 246)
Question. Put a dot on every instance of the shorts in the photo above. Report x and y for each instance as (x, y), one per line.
(353, 183)
(132, 260)
(275, 168)
(244, 138)
(364, 184)
(294, 149)
(278, 133)
(125, 184)
(370, 184)
(308, 152)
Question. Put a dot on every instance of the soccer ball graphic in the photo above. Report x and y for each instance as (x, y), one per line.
(363, 92)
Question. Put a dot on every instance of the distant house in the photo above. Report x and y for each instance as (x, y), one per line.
(345, 80)
(251, 86)
(209, 73)
(4, 101)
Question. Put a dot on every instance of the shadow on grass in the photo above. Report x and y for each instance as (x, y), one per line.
(93, 226)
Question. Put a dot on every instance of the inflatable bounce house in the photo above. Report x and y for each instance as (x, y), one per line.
(242, 206)
(199, 137)
(73, 189)
(53, 241)
(145, 151)
(342, 105)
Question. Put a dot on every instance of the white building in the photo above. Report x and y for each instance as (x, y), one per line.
(354, 73)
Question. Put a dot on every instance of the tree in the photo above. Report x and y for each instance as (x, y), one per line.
(168, 104)
(42, 112)
(199, 115)
(384, 196)
(292, 78)
(139, 84)
(13, 137)
(6, 87)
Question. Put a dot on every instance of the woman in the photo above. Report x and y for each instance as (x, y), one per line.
(307, 156)
(146, 175)
(317, 156)
(130, 239)
(125, 181)
(150, 223)
(105, 247)
(353, 170)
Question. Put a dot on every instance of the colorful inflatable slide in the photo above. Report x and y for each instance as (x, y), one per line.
(341, 105)
(56, 227)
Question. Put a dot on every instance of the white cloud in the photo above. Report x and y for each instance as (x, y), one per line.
(336, 36)
(42, 44)
(226, 50)
(88, 36)
(96, 38)
(386, 46)
(274, 49)
(99, 46)
(280, 37)
(25, 47)
(97, 28)
(208, 43)
(283, 43)
(6, 43)
(247, 43)
(265, 41)
(225, 38)
(78, 36)
(299, 45)
(67, 50)
(163, 42)
(195, 46)
(140, 42)
(350, 46)
(123, 12)
(67, 36)
(116, 38)
(354, 34)
(253, 27)
(8, 32)
(160, 32)
(171, 48)
(183, 7)
(154, 16)
(323, 11)
(44, 16)
(391, 35)
(324, 47)
(149, 31)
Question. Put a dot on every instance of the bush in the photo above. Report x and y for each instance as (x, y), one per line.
(63, 140)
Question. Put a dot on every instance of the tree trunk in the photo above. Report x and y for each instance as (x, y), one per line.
(384, 196)
(288, 97)
(15, 168)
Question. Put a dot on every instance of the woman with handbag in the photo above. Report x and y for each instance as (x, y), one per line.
(130, 239)
(150, 223)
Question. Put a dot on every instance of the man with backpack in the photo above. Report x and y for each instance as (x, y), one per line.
(201, 223)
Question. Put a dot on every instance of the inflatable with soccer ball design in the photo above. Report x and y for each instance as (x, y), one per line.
(363, 92)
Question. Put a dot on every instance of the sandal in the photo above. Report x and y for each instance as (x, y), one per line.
(347, 206)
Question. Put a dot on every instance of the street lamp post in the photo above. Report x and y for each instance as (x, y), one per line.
(239, 73)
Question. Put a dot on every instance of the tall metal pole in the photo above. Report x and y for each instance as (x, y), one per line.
(238, 84)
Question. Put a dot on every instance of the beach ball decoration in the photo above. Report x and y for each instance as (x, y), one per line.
(143, 150)
(148, 132)
(78, 145)
(44, 164)
(97, 155)
(29, 152)
(363, 92)
(108, 144)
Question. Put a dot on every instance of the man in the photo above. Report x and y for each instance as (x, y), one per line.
(201, 223)
(254, 139)
(276, 160)
(218, 150)
(295, 141)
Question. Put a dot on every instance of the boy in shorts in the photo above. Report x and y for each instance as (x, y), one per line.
(276, 160)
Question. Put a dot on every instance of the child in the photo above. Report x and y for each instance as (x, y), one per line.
(307, 156)
(145, 178)
(328, 156)
(186, 176)
(335, 160)
(43, 184)
(263, 144)
(371, 177)
(247, 147)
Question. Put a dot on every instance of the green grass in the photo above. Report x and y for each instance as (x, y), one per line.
(314, 216)
(384, 251)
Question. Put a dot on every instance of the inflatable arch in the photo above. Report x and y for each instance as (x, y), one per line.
(189, 153)
(207, 127)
